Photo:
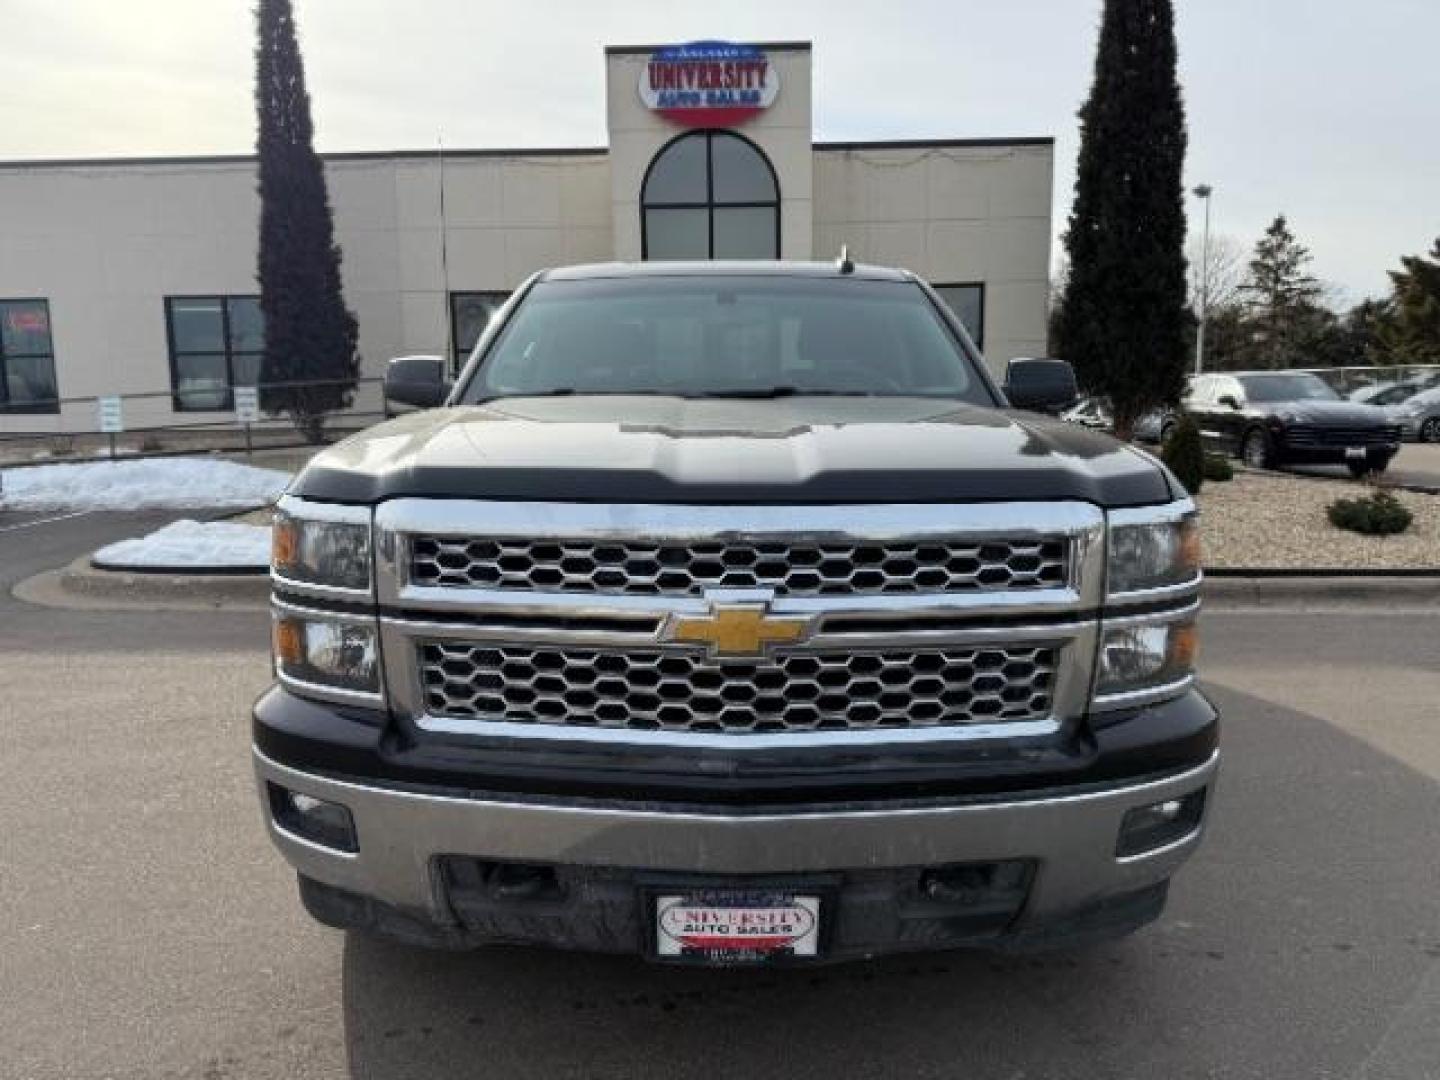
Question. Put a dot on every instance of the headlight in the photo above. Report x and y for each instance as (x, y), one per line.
(321, 552)
(1143, 655)
(329, 651)
(1153, 554)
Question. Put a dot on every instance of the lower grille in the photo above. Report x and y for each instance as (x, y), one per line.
(1313, 436)
(689, 691)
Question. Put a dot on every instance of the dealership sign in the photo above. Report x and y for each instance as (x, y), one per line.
(709, 83)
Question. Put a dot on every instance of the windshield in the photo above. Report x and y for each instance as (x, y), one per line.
(728, 336)
(1287, 388)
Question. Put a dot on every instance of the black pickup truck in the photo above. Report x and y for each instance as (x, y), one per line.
(731, 613)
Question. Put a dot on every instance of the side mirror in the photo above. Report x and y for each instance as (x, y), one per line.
(417, 380)
(1040, 385)
(1229, 401)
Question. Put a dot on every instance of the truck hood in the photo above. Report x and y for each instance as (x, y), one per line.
(791, 450)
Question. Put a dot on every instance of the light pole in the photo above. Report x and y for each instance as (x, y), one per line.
(1203, 191)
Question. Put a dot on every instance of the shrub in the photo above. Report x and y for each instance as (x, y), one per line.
(1184, 453)
(1218, 468)
(1379, 514)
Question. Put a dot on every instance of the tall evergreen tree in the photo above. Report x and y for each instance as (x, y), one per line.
(1411, 332)
(309, 334)
(1122, 323)
(1282, 298)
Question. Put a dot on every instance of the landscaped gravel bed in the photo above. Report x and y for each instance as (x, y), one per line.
(1272, 521)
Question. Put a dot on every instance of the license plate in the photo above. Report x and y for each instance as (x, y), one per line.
(735, 927)
(1355, 453)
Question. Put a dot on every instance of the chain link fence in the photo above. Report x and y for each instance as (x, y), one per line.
(139, 424)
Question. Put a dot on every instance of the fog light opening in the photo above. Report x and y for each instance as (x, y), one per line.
(1147, 828)
(325, 823)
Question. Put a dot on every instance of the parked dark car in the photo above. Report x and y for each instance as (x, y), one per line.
(1276, 418)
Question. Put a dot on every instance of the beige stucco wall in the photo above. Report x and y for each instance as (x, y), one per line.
(106, 243)
(783, 132)
(954, 215)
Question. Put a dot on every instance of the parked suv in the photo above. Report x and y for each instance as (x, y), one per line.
(730, 613)
(1276, 418)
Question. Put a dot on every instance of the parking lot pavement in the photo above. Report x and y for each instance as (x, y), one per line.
(1417, 463)
(149, 931)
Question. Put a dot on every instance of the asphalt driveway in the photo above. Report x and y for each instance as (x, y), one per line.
(149, 931)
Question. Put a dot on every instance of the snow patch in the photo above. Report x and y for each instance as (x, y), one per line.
(177, 483)
(192, 545)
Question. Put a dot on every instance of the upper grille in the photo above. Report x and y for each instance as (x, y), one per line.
(685, 568)
(687, 691)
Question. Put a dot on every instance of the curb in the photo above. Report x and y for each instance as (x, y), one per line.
(1412, 487)
(180, 571)
(83, 580)
(1262, 586)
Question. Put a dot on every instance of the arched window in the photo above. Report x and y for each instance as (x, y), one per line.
(710, 195)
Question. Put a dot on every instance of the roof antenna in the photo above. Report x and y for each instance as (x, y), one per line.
(845, 264)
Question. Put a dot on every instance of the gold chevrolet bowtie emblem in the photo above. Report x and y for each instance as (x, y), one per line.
(738, 631)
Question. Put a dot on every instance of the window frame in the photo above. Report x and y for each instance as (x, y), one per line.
(940, 286)
(45, 408)
(709, 205)
(457, 358)
(229, 351)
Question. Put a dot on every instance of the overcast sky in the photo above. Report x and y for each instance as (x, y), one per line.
(1327, 110)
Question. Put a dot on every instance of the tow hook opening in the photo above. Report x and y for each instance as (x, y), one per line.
(504, 882)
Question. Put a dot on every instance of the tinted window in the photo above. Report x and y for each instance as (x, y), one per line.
(216, 344)
(27, 358)
(470, 314)
(968, 304)
(709, 336)
(710, 195)
(1286, 387)
(678, 175)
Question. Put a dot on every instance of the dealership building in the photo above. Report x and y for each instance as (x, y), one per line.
(136, 277)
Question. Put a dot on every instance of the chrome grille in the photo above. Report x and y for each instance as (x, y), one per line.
(688, 691)
(685, 568)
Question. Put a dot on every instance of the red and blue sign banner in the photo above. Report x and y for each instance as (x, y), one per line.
(709, 83)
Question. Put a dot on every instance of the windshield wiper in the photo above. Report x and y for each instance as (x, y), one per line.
(558, 391)
(767, 392)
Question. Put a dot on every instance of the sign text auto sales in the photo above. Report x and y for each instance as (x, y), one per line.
(708, 83)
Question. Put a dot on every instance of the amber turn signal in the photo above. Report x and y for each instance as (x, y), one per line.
(1184, 646)
(1190, 544)
(289, 641)
(284, 542)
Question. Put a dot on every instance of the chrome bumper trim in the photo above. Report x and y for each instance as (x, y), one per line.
(1072, 837)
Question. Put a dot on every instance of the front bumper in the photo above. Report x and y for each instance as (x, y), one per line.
(396, 879)
(1377, 455)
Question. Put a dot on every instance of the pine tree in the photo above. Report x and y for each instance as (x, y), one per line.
(1282, 299)
(309, 334)
(1122, 323)
(1411, 331)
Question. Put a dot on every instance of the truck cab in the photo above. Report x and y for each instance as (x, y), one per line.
(731, 613)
